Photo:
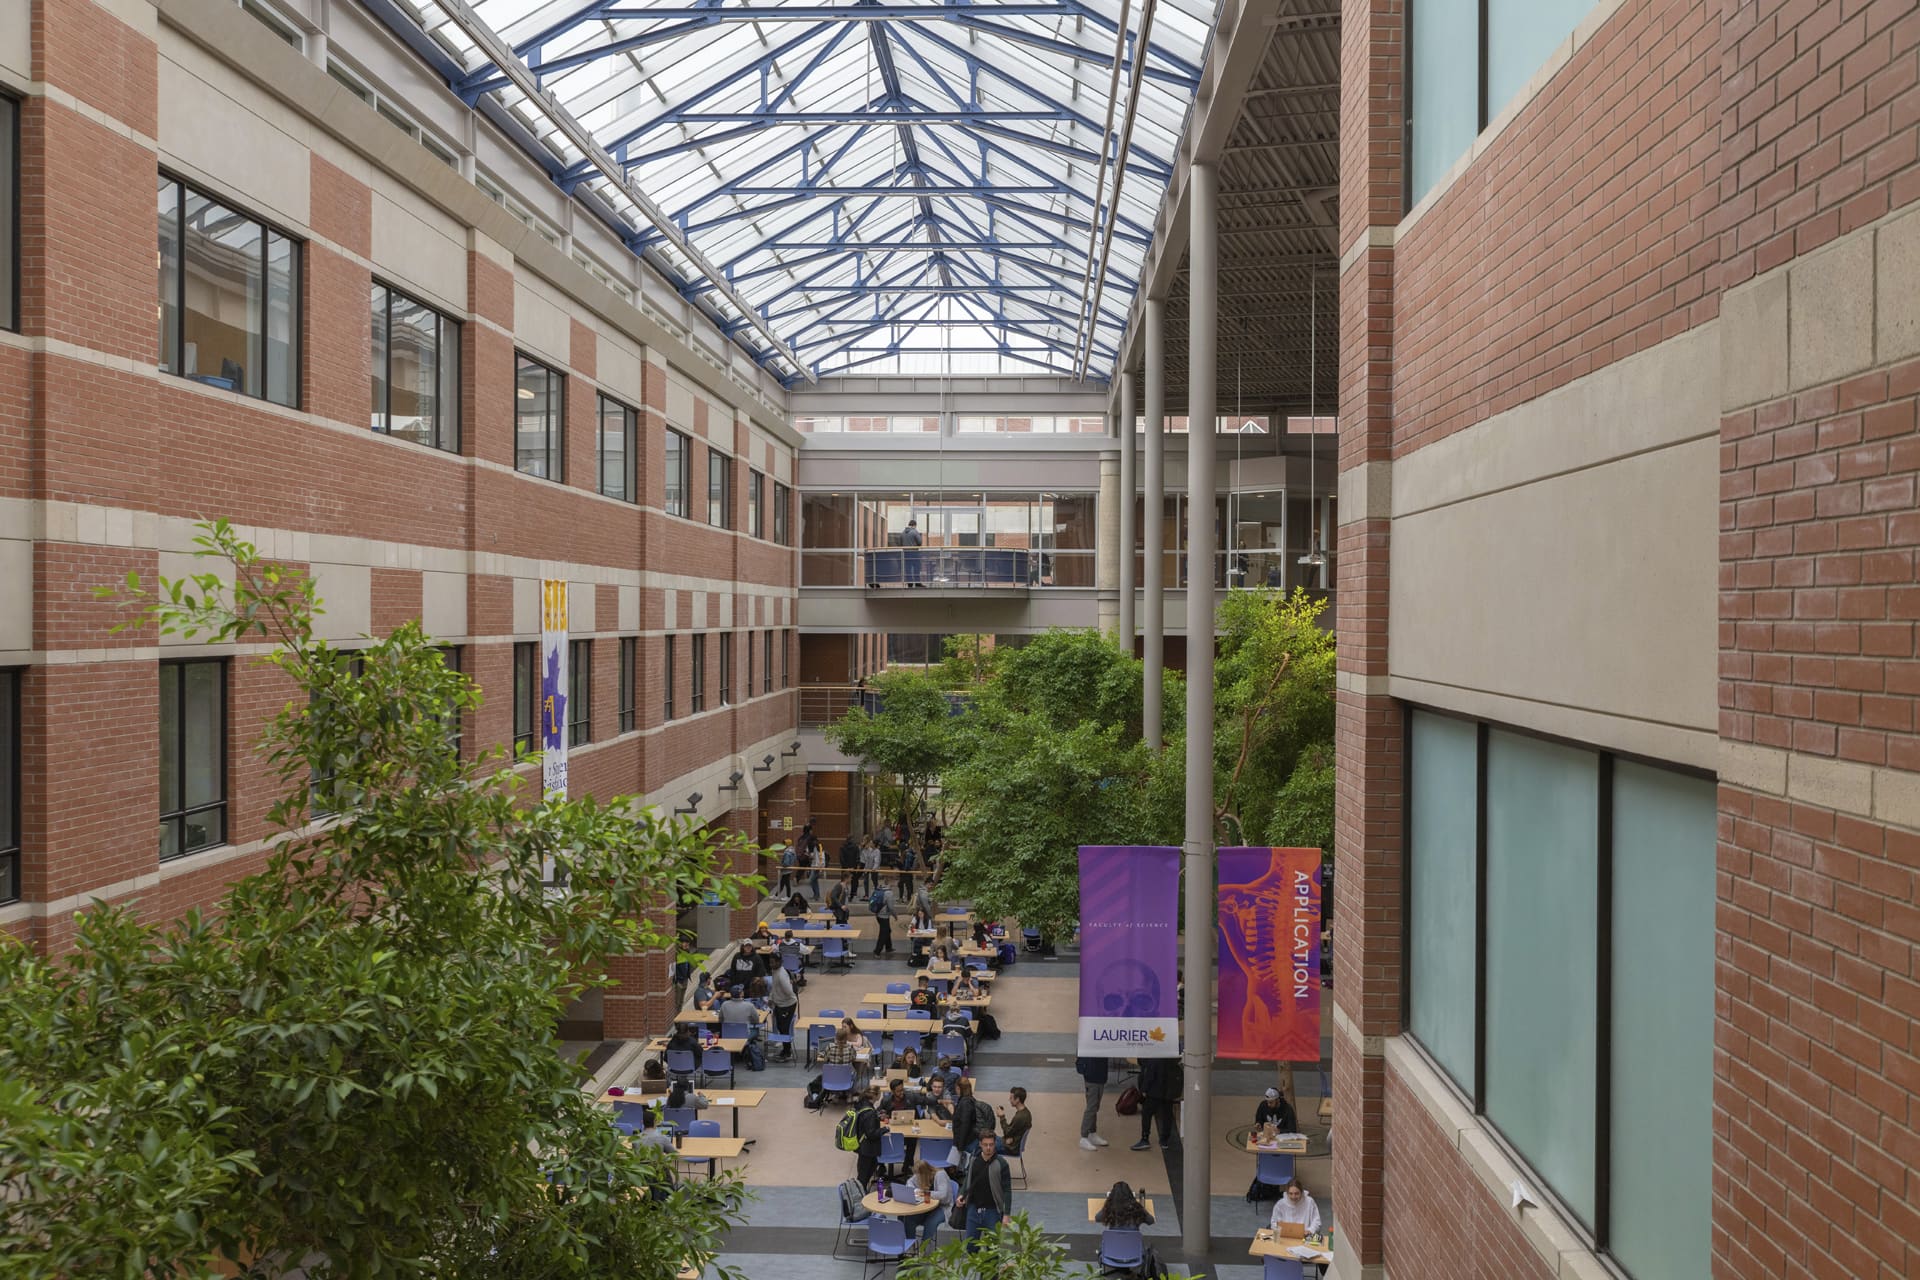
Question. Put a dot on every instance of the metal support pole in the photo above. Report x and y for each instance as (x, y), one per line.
(1203, 259)
(1153, 601)
(1128, 484)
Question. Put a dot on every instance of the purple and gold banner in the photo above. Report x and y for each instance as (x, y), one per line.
(1270, 954)
(1129, 951)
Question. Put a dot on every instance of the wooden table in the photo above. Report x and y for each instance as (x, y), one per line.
(1094, 1204)
(823, 931)
(659, 1045)
(954, 917)
(986, 977)
(897, 1208)
(912, 1127)
(734, 1100)
(710, 1148)
(1266, 1244)
(688, 1273)
(925, 1026)
(696, 1015)
(1297, 1147)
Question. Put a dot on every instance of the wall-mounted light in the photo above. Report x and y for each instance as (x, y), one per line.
(692, 805)
(733, 781)
(793, 750)
(764, 765)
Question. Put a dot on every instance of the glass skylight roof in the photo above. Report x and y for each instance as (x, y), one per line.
(892, 187)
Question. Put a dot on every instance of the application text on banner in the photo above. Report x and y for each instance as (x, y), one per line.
(1129, 951)
(1270, 954)
(553, 686)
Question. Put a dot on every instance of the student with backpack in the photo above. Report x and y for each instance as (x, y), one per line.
(881, 904)
(972, 1118)
(859, 1132)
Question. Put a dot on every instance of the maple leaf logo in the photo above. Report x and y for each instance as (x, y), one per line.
(1156, 1035)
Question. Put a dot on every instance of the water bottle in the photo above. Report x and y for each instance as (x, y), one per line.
(884, 1193)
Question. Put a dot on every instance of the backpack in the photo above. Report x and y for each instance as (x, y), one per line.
(814, 1097)
(877, 901)
(844, 1136)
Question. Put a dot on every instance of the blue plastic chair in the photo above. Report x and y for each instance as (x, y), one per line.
(978, 963)
(715, 1063)
(919, 1015)
(886, 1242)
(680, 1118)
(681, 1064)
(875, 1040)
(627, 1117)
(836, 1077)
(792, 963)
(867, 1013)
(1284, 1269)
(893, 1148)
(735, 1031)
(901, 1041)
(898, 989)
(942, 985)
(776, 1038)
(1275, 1169)
(832, 1013)
(703, 1129)
(951, 1044)
(937, 1152)
(817, 1039)
(853, 1217)
(1122, 1248)
(835, 952)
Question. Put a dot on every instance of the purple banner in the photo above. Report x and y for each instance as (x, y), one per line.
(1129, 951)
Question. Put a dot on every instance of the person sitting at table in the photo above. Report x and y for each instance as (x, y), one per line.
(959, 1022)
(980, 938)
(923, 996)
(841, 1051)
(947, 1072)
(896, 1098)
(1295, 1205)
(702, 990)
(968, 987)
(762, 933)
(1278, 1112)
(935, 1189)
(909, 1062)
(740, 1011)
(792, 946)
(796, 906)
(685, 1036)
(683, 1096)
(862, 1052)
(1015, 1123)
(936, 1100)
(1123, 1209)
(922, 920)
(653, 1133)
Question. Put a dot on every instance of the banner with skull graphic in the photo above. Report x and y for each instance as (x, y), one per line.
(1269, 936)
(1129, 951)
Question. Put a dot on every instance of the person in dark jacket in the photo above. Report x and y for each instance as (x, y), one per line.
(972, 1118)
(1278, 1112)
(1093, 1074)
(867, 1127)
(986, 1188)
(1161, 1083)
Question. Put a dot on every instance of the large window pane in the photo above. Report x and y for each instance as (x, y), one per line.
(1521, 36)
(1542, 879)
(283, 320)
(579, 692)
(698, 700)
(9, 223)
(192, 756)
(616, 449)
(169, 263)
(225, 292)
(415, 370)
(678, 465)
(726, 668)
(378, 409)
(668, 676)
(1662, 1051)
(719, 489)
(1443, 768)
(756, 518)
(526, 693)
(1445, 115)
(538, 419)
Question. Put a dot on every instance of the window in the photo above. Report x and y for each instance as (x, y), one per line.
(273, 22)
(748, 687)
(629, 664)
(1596, 1069)
(756, 516)
(782, 504)
(617, 450)
(579, 692)
(786, 647)
(726, 668)
(719, 489)
(539, 437)
(698, 701)
(679, 473)
(229, 297)
(193, 756)
(9, 213)
(1469, 59)
(766, 663)
(668, 675)
(416, 371)
(526, 696)
(9, 786)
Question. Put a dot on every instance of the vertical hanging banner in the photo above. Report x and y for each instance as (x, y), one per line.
(1129, 951)
(1269, 936)
(553, 687)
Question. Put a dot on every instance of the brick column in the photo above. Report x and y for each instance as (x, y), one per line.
(1367, 745)
(642, 1001)
(745, 822)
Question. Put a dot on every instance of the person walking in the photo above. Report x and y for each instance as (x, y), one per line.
(1093, 1075)
(986, 1189)
(867, 1127)
(883, 917)
(786, 1003)
(789, 859)
(869, 878)
(1161, 1083)
(816, 863)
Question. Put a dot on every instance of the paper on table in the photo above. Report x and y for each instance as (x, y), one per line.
(1304, 1251)
(723, 1102)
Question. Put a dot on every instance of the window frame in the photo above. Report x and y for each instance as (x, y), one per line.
(697, 655)
(526, 696)
(10, 210)
(678, 469)
(756, 504)
(180, 815)
(12, 682)
(720, 465)
(556, 449)
(579, 692)
(629, 678)
(786, 654)
(175, 360)
(782, 514)
(766, 663)
(630, 431)
(447, 422)
(668, 663)
(726, 668)
(1596, 1234)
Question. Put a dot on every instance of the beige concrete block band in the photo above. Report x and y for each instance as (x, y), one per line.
(1887, 796)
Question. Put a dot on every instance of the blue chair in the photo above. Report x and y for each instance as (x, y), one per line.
(942, 985)
(832, 1013)
(681, 1064)
(867, 1013)
(627, 1117)
(715, 1063)
(978, 963)
(817, 1039)
(886, 1242)
(703, 1129)
(835, 952)
(836, 1077)
(1032, 938)
(680, 1118)
(951, 1044)
(1275, 1169)
(893, 1148)
(937, 1152)
(1284, 1269)
(1122, 1248)
(898, 989)
(777, 1038)
(919, 1015)
(853, 1217)
(901, 1041)
(875, 1041)
(735, 1031)
(792, 964)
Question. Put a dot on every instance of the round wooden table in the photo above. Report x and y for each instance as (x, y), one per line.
(896, 1208)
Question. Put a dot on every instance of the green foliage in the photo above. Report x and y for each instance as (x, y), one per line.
(1303, 812)
(910, 737)
(1014, 1250)
(1273, 701)
(350, 1066)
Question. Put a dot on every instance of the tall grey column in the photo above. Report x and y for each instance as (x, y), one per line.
(1127, 486)
(1153, 502)
(1203, 262)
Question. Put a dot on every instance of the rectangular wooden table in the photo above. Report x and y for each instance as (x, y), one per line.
(1095, 1202)
(734, 1100)
(696, 1015)
(911, 1127)
(986, 977)
(1266, 1244)
(823, 931)
(954, 917)
(1297, 1147)
(659, 1045)
(710, 1148)
(886, 998)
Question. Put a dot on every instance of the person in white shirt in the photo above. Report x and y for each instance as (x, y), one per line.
(1295, 1205)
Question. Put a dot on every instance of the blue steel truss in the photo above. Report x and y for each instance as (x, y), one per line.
(882, 183)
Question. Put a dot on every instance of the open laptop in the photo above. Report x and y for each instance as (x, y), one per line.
(1290, 1231)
